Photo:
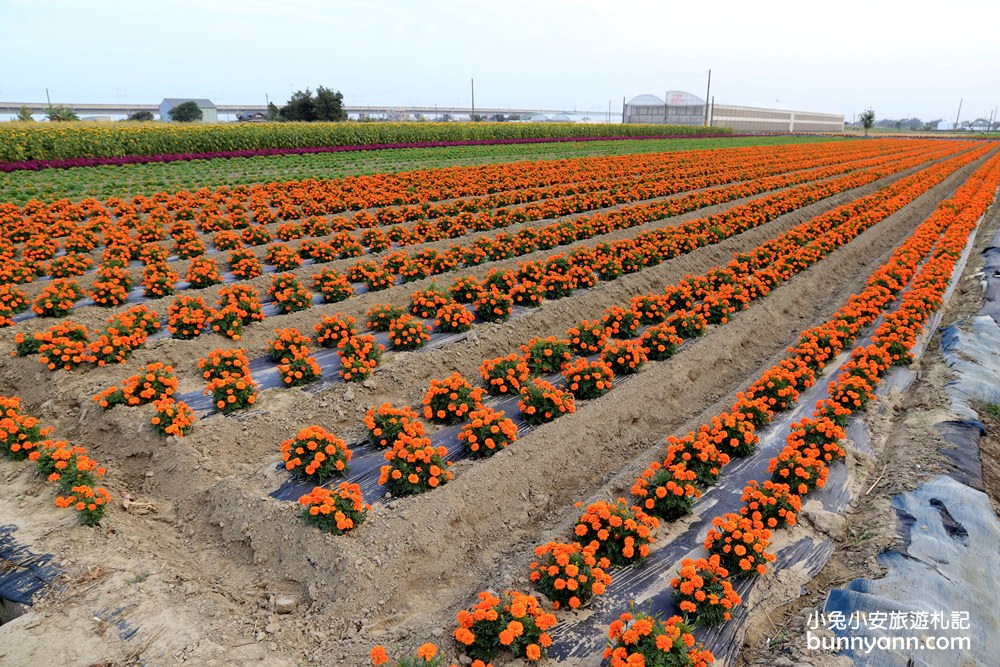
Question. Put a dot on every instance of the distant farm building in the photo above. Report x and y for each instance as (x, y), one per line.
(209, 112)
(681, 108)
(252, 117)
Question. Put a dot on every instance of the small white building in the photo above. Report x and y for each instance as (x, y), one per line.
(209, 112)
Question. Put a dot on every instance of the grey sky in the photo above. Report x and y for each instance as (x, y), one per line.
(912, 58)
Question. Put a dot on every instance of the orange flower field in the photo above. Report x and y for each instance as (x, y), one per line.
(500, 413)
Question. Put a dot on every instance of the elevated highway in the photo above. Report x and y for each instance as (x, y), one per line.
(233, 110)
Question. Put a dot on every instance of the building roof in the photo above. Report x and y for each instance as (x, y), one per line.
(682, 98)
(645, 101)
(201, 102)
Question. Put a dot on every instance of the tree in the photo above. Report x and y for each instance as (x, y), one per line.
(273, 113)
(187, 112)
(140, 115)
(60, 113)
(24, 115)
(867, 119)
(301, 106)
(329, 105)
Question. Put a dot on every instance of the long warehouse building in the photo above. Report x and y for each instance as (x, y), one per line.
(681, 108)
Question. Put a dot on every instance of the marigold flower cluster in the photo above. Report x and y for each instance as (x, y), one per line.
(449, 401)
(159, 280)
(703, 592)
(588, 379)
(588, 337)
(414, 464)
(514, 622)
(229, 381)
(624, 357)
(427, 655)
(545, 356)
(19, 432)
(740, 542)
(172, 417)
(155, 383)
(332, 285)
(203, 272)
(493, 305)
(359, 355)
(188, 317)
(408, 333)
(637, 638)
(244, 299)
(487, 432)
(666, 491)
(426, 303)
(243, 264)
(12, 302)
(288, 294)
(59, 462)
(620, 532)
(568, 574)
(282, 257)
(505, 375)
(315, 454)
(453, 318)
(57, 299)
(334, 510)
(385, 423)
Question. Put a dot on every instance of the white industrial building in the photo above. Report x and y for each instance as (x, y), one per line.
(681, 108)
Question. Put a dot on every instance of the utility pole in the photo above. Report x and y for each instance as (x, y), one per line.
(473, 116)
(959, 114)
(708, 91)
(609, 112)
(47, 98)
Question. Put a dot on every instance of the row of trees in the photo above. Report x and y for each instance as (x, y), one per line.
(325, 105)
(304, 105)
(54, 114)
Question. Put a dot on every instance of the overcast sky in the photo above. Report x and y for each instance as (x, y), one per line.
(903, 59)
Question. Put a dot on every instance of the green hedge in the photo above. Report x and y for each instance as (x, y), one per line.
(63, 141)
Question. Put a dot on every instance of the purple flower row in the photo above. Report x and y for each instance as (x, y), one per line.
(39, 165)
